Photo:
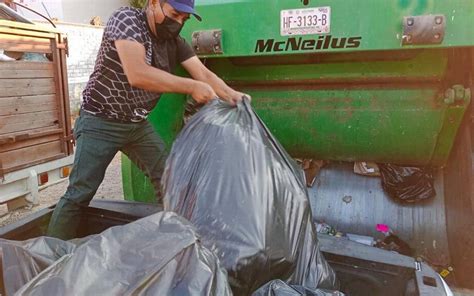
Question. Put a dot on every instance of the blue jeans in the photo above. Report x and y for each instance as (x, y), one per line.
(97, 142)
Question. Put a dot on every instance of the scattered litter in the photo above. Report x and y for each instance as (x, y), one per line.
(347, 199)
(231, 178)
(311, 169)
(4, 57)
(370, 169)
(362, 239)
(383, 228)
(407, 184)
(325, 229)
(445, 272)
(392, 242)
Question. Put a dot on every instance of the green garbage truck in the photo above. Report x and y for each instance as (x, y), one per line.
(344, 81)
(349, 81)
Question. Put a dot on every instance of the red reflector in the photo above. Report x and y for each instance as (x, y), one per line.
(43, 179)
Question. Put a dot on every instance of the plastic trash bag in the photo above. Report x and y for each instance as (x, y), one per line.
(407, 184)
(23, 261)
(247, 198)
(280, 288)
(157, 255)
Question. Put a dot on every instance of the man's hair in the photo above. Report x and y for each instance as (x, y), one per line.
(148, 2)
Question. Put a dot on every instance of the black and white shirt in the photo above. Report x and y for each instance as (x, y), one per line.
(108, 93)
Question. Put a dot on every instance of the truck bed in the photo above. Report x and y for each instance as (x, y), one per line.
(422, 225)
(362, 270)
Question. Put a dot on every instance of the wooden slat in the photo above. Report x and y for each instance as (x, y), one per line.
(27, 82)
(34, 154)
(26, 87)
(29, 134)
(29, 27)
(29, 143)
(27, 33)
(33, 91)
(59, 88)
(23, 122)
(24, 44)
(26, 70)
(67, 111)
(27, 104)
(26, 65)
(25, 47)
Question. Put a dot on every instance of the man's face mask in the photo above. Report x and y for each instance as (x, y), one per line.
(169, 28)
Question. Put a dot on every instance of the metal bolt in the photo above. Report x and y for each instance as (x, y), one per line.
(410, 22)
(449, 96)
(217, 47)
(409, 38)
(216, 35)
(437, 36)
(438, 20)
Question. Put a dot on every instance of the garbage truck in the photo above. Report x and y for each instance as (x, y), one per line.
(353, 81)
(343, 81)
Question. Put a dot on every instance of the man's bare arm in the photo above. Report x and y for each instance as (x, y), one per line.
(144, 76)
(200, 72)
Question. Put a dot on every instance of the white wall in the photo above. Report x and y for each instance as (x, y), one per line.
(84, 43)
(72, 11)
(82, 11)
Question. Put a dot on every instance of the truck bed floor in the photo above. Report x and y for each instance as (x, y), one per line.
(422, 226)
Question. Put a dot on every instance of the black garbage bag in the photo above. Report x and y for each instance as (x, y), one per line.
(157, 255)
(247, 198)
(23, 261)
(280, 288)
(407, 184)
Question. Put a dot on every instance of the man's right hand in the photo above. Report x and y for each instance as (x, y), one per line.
(203, 92)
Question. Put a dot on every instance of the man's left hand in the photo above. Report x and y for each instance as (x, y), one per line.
(236, 97)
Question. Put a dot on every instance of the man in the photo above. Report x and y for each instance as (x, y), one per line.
(139, 51)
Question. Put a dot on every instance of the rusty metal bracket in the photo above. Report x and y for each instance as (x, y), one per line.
(66, 43)
(457, 94)
(2, 171)
(207, 42)
(424, 29)
(69, 139)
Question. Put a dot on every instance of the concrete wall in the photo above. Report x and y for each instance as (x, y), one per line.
(83, 11)
(72, 11)
(84, 42)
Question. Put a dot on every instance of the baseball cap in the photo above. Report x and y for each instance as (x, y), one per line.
(186, 6)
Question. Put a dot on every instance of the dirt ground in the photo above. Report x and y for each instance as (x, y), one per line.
(111, 188)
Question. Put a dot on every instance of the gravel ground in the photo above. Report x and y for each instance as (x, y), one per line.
(111, 188)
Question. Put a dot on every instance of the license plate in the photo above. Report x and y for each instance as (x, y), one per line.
(306, 21)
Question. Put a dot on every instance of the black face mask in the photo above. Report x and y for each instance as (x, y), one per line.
(168, 29)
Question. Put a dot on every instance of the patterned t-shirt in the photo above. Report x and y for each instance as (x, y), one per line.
(108, 93)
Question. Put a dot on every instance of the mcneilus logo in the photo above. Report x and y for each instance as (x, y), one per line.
(299, 43)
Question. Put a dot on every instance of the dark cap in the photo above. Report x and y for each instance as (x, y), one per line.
(186, 6)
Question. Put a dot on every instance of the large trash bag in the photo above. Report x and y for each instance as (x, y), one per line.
(280, 288)
(231, 178)
(23, 261)
(407, 184)
(157, 255)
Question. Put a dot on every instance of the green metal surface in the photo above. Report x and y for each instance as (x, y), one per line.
(379, 102)
(378, 23)
(404, 127)
(391, 107)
